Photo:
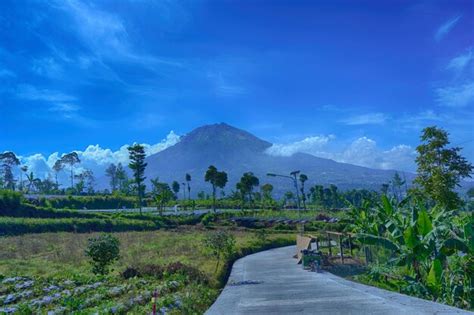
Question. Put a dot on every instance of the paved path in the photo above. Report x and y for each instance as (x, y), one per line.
(271, 282)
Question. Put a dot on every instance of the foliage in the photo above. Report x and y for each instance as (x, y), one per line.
(246, 185)
(137, 165)
(440, 169)
(220, 244)
(103, 250)
(217, 180)
(431, 247)
(173, 262)
(71, 159)
(17, 226)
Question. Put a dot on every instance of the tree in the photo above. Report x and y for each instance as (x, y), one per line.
(289, 195)
(217, 180)
(111, 172)
(103, 251)
(33, 182)
(24, 169)
(137, 165)
(221, 244)
(162, 194)
(9, 160)
(57, 167)
(303, 179)
(247, 183)
(122, 179)
(440, 169)
(71, 159)
(397, 184)
(188, 180)
(267, 193)
(175, 187)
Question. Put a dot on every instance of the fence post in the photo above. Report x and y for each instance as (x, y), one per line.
(341, 249)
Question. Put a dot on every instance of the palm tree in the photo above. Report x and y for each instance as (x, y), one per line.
(32, 181)
(23, 169)
(188, 180)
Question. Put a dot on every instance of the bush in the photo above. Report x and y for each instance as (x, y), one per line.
(103, 251)
(17, 226)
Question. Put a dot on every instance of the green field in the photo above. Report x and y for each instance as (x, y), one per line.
(57, 261)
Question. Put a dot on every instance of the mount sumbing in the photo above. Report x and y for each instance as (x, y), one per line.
(236, 151)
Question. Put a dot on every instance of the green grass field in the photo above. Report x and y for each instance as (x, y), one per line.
(57, 261)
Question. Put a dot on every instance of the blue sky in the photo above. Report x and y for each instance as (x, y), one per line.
(348, 80)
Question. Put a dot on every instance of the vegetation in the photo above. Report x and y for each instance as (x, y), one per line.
(103, 250)
(429, 247)
(440, 169)
(217, 180)
(137, 165)
(176, 263)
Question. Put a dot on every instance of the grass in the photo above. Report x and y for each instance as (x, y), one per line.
(53, 258)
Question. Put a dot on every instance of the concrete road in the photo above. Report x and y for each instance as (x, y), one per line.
(271, 282)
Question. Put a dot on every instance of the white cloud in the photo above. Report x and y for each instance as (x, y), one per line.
(94, 157)
(106, 34)
(446, 27)
(366, 119)
(362, 151)
(459, 63)
(29, 92)
(456, 96)
(310, 145)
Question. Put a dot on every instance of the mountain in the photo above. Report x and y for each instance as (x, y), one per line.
(237, 151)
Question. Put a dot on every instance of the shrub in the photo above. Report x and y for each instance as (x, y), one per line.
(103, 251)
(18, 226)
(130, 272)
(220, 244)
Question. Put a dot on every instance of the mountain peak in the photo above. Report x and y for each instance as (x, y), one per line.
(225, 136)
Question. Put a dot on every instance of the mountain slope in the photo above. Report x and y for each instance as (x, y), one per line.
(236, 151)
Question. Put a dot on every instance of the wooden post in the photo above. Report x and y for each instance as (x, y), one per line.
(350, 245)
(341, 249)
(329, 244)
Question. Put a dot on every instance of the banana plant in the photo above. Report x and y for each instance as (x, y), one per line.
(437, 253)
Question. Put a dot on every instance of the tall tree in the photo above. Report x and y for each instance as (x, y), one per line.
(440, 169)
(161, 192)
(9, 160)
(247, 183)
(175, 187)
(111, 172)
(57, 167)
(188, 180)
(24, 170)
(303, 179)
(71, 159)
(137, 165)
(217, 180)
(122, 179)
